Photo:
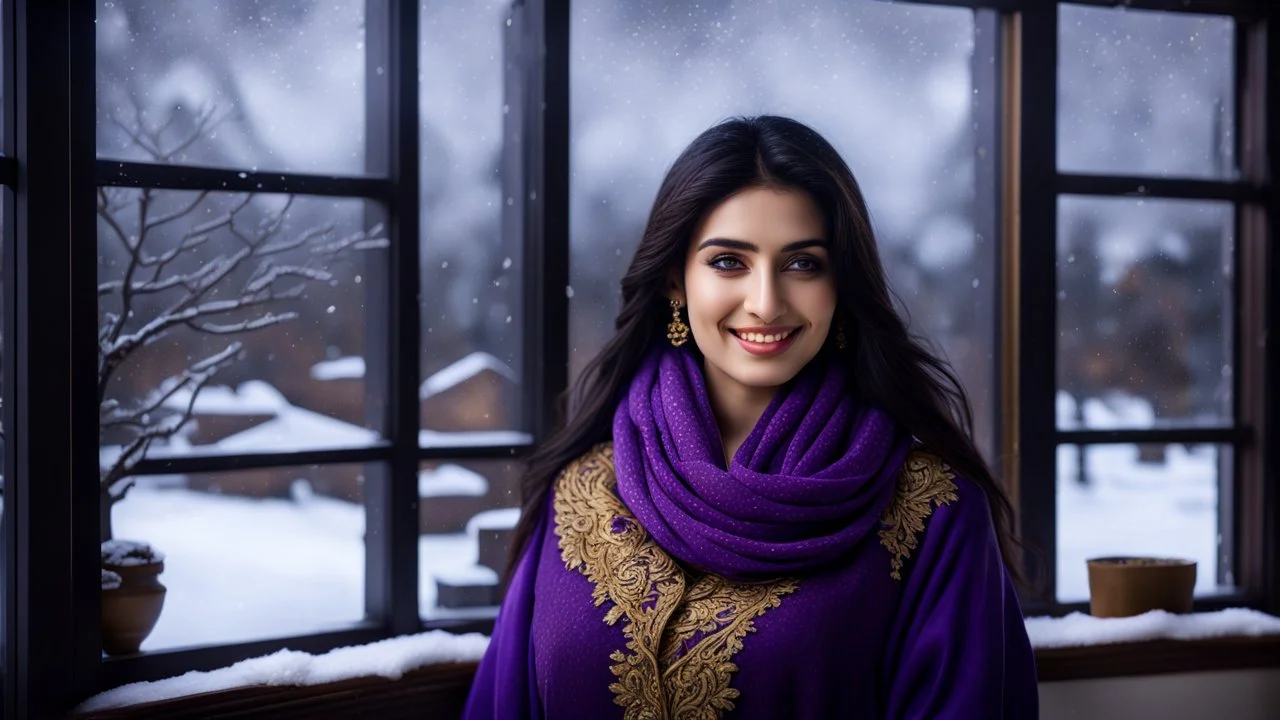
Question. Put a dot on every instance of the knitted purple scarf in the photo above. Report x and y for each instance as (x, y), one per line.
(807, 485)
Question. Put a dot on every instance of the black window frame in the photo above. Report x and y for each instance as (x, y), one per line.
(51, 656)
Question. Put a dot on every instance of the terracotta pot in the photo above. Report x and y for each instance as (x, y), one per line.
(1127, 586)
(130, 612)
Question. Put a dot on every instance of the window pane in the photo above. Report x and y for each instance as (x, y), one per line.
(1146, 93)
(272, 86)
(472, 208)
(468, 510)
(1150, 500)
(888, 84)
(254, 554)
(1144, 312)
(256, 305)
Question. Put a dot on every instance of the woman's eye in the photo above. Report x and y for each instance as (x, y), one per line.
(806, 264)
(726, 262)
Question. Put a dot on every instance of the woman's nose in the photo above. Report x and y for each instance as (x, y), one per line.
(764, 299)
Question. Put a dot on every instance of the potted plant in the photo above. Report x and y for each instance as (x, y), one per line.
(1126, 586)
(132, 595)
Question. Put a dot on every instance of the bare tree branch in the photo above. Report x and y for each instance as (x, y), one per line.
(235, 292)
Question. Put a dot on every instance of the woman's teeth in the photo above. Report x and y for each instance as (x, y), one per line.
(765, 339)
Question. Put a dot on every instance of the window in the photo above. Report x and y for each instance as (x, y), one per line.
(1152, 441)
(222, 314)
(298, 354)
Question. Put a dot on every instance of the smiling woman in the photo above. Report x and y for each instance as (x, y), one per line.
(760, 307)
(706, 501)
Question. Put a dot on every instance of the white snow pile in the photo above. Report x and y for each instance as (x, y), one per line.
(1078, 629)
(123, 553)
(110, 580)
(389, 658)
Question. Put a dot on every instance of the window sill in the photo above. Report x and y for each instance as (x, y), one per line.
(432, 691)
(1155, 657)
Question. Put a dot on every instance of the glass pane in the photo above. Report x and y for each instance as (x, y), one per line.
(254, 554)
(472, 208)
(1149, 500)
(1146, 93)
(874, 78)
(272, 86)
(468, 510)
(1144, 313)
(247, 315)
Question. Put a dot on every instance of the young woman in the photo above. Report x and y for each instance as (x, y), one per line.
(765, 502)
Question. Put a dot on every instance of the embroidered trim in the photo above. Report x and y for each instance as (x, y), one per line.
(679, 649)
(715, 617)
(924, 483)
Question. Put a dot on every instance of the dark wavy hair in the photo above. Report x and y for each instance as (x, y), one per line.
(887, 367)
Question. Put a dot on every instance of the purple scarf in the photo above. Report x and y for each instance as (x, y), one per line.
(807, 485)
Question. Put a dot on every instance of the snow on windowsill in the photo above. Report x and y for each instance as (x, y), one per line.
(1079, 629)
(390, 658)
(394, 657)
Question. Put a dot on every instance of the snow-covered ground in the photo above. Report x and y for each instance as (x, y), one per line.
(240, 569)
(244, 569)
(1129, 507)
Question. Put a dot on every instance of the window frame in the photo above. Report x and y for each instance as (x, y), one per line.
(1037, 437)
(1018, 189)
(52, 656)
(51, 653)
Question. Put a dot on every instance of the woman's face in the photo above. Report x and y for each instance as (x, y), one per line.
(759, 288)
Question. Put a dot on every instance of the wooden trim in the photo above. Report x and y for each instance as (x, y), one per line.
(1010, 256)
(434, 691)
(1253, 253)
(1157, 657)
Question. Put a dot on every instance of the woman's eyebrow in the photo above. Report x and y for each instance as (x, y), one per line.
(745, 246)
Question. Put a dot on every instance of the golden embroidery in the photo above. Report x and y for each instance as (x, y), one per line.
(716, 616)
(925, 483)
(601, 539)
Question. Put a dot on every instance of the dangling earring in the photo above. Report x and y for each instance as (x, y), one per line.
(841, 343)
(677, 331)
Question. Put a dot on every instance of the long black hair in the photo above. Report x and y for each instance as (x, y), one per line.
(888, 367)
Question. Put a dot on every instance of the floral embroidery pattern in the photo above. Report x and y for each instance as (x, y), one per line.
(679, 645)
(924, 483)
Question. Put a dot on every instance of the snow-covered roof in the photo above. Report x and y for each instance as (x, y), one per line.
(472, 438)
(500, 519)
(344, 368)
(451, 480)
(463, 370)
(295, 428)
(254, 397)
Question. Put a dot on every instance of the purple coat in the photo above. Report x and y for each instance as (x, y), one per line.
(916, 620)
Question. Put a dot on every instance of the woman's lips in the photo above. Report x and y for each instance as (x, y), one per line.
(766, 348)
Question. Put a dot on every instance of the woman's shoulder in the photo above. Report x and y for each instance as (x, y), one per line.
(595, 465)
(931, 499)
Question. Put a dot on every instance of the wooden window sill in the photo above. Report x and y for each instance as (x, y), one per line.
(441, 690)
(1154, 657)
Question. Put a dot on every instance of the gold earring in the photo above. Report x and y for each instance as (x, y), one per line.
(841, 342)
(677, 331)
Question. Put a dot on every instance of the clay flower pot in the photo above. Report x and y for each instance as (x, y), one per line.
(1127, 586)
(132, 595)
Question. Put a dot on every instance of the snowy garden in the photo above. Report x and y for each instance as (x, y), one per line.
(240, 568)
